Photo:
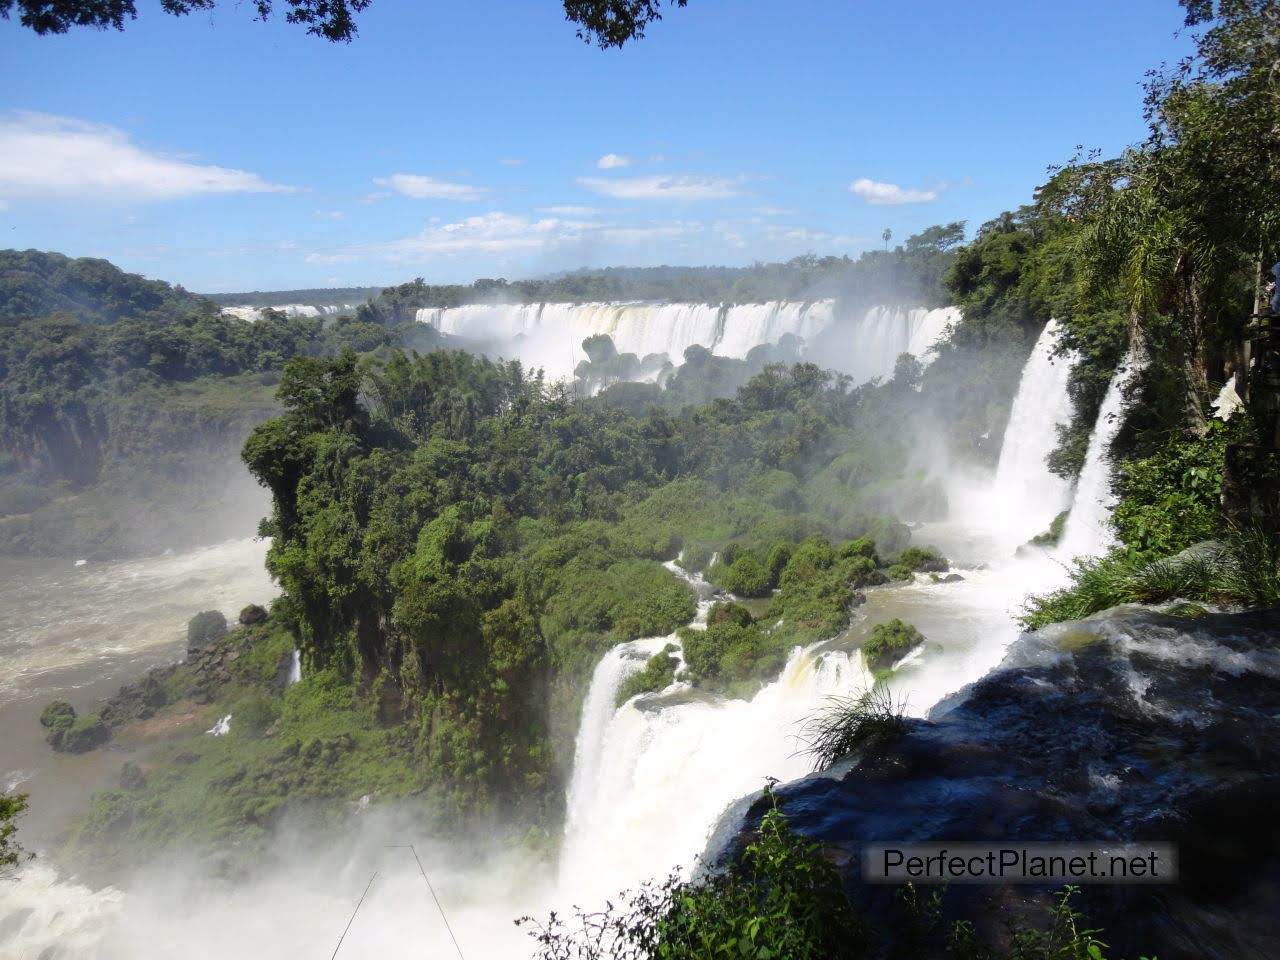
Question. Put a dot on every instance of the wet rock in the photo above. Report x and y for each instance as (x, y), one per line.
(137, 701)
(1160, 729)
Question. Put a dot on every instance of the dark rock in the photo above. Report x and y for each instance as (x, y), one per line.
(1161, 729)
(203, 629)
(137, 701)
(253, 614)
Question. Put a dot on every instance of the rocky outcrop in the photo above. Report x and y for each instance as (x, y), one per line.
(1130, 726)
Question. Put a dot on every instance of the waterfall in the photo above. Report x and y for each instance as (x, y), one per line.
(1025, 495)
(872, 343)
(550, 335)
(295, 668)
(251, 314)
(665, 771)
(1088, 532)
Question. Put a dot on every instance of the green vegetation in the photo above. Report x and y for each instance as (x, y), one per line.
(1160, 254)
(847, 724)
(658, 674)
(124, 400)
(1051, 536)
(71, 733)
(12, 806)
(889, 643)
(782, 897)
(1243, 568)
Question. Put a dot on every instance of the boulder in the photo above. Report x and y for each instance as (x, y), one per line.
(1154, 728)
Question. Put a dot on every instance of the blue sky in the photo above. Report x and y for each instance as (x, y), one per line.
(463, 138)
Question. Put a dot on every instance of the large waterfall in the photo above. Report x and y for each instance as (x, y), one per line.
(1088, 532)
(251, 314)
(550, 335)
(1027, 494)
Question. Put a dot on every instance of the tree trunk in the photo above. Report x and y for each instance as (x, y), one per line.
(1194, 327)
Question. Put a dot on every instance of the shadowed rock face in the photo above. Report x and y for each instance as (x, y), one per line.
(1130, 726)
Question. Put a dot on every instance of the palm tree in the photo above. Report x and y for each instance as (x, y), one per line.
(1148, 245)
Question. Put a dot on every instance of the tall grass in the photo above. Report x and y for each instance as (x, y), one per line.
(848, 723)
(1243, 568)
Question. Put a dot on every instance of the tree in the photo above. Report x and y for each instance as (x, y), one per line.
(608, 23)
(886, 237)
(11, 807)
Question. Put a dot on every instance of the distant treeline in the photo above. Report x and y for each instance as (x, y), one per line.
(317, 297)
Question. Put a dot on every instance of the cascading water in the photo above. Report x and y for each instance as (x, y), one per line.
(1025, 494)
(550, 335)
(874, 341)
(1088, 531)
(293, 311)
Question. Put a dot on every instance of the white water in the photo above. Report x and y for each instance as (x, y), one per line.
(295, 668)
(1088, 531)
(251, 314)
(651, 777)
(1026, 494)
(550, 335)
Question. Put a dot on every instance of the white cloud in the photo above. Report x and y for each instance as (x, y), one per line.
(331, 214)
(48, 156)
(683, 186)
(890, 194)
(429, 188)
(510, 161)
(498, 233)
(612, 161)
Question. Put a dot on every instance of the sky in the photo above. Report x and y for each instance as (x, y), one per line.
(457, 139)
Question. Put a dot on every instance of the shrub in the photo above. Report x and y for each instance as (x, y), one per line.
(923, 559)
(58, 715)
(862, 547)
(1244, 568)
(889, 643)
(204, 628)
(846, 724)
(746, 577)
(1051, 536)
(729, 613)
(658, 673)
